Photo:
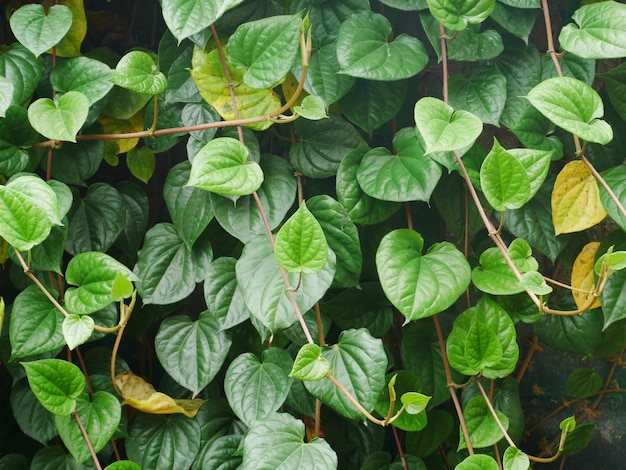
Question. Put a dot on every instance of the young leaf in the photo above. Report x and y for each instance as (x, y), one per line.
(56, 384)
(311, 108)
(60, 119)
(574, 106)
(515, 459)
(420, 285)
(309, 364)
(364, 51)
(77, 330)
(457, 14)
(222, 167)
(444, 129)
(300, 244)
(136, 71)
(416, 402)
(40, 30)
(534, 282)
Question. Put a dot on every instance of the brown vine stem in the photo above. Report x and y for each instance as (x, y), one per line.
(405, 466)
(354, 401)
(494, 414)
(87, 440)
(125, 312)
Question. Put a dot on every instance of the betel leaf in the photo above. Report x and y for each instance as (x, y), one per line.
(222, 167)
(474, 46)
(61, 118)
(265, 49)
(53, 457)
(309, 364)
(100, 415)
(300, 243)
(582, 281)
(35, 325)
(264, 289)
(420, 285)
(515, 459)
(515, 20)
(613, 299)
(186, 17)
(77, 329)
(598, 33)
(358, 362)
(136, 71)
(457, 14)
(220, 453)
(615, 178)
(16, 134)
(222, 295)
(40, 30)
(472, 350)
(23, 70)
(136, 208)
(246, 375)
(576, 203)
(483, 93)
(364, 51)
(481, 425)
(192, 352)
(56, 384)
(311, 108)
(6, 95)
(93, 273)
(85, 75)
(407, 175)
(574, 106)
(403, 385)
(582, 383)
(443, 128)
(261, 452)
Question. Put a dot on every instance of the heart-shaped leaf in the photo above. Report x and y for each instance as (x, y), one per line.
(6, 95)
(100, 415)
(136, 71)
(60, 119)
(311, 108)
(420, 285)
(23, 70)
(363, 49)
(482, 94)
(457, 14)
(309, 364)
(444, 129)
(40, 30)
(574, 106)
(481, 425)
(478, 462)
(186, 17)
(56, 384)
(77, 330)
(87, 76)
(515, 459)
(222, 167)
(192, 352)
(407, 175)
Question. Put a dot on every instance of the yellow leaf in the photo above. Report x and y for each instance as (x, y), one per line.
(4, 251)
(121, 126)
(576, 204)
(142, 396)
(289, 87)
(71, 42)
(208, 75)
(582, 275)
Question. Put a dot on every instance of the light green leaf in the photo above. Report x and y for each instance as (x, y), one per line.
(457, 14)
(30, 186)
(300, 244)
(123, 465)
(100, 415)
(574, 106)
(416, 402)
(444, 129)
(478, 462)
(60, 119)
(94, 274)
(482, 94)
(515, 459)
(568, 424)
(192, 352)
(6, 95)
(40, 30)
(600, 33)
(121, 288)
(481, 425)
(265, 49)
(534, 282)
(136, 71)
(311, 108)
(222, 167)
(309, 364)
(77, 329)
(420, 285)
(364, 51)
(482, 347)
(23, 70)
(261, 452)
(474, 46)
(56, 384)
(403, 384)
(186, 17)
(87, 76)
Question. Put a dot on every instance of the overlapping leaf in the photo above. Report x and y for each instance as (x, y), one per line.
(457, 14)
(61, 118)
(186, 17)
(56, 384)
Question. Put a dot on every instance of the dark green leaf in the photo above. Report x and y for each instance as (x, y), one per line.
(482, 94)
(457, 14)
(56, 384)
(582, 383)
(23, 70)
(34, 420)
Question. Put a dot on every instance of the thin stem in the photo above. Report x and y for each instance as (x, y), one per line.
(320, 326)
(494, 414)
(125, 313)
(87, 440)
(532, 349)
(603, 183)
(354, 401)
(409, 216)
(84, 369)
(318, 417)
(399, 447)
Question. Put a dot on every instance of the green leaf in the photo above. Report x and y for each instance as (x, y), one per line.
(474, 46)
(400, 177)
(578, 439)
(23, 70)
(220, 453)
(615, 179)
(100, 415)
(457, 14)
(478, 462)
(260, 450)
(406, 5)
(312, 108)
(444, 129)
(416, 402)
(515, 459)
(136, 71)
(34, 420)
(574, 106)
(322, 145)
(157, 441)
(6, 95)
(472, 350)
(136, 215)
(534, 282)
(420, 285)
(190, 208)
(582, 383)
(300, 244)
(186, 17)
(412, 418)
(192, 352)
(84, 75)
(60, 119)
(165, 267)
(613, 299)
(482, 94)
(77, 330)
(504, 180)
(309, 364)
(265, 49)
(222, 167)
(568, 424)
(264, 289)
(40, 30)
(16, 134)
(141, 163)
(481, 425)
(364, 51)
(123, 465)
(599, 33)
(615, 82)
(515, 20)
(56, 384)
(358, 362)
(94, 274)
(121, 288)
(439, 427)
(222, 295)
(246, 376)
